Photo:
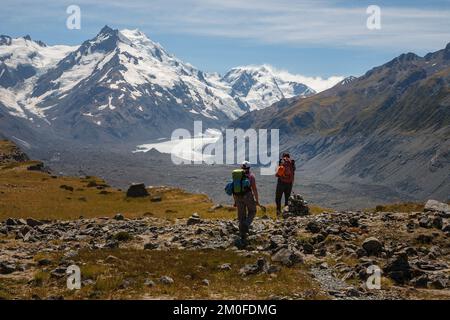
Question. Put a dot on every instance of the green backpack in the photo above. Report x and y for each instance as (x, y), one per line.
(241, 184)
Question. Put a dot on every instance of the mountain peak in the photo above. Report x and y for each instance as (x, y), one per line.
(5, 40)
(39, 42)
(107, 30)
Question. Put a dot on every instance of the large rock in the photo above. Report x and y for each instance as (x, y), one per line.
(137, 190)
(287, 257)
(373, 246)
(433, 205)
(398, 268)
(250, 269)
(33, 222)
(313, 226)
(7, 268)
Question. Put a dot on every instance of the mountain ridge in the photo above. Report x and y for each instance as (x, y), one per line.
(119, 85)
(389, 126)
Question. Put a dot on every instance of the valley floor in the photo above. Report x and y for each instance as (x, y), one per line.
(121, 168)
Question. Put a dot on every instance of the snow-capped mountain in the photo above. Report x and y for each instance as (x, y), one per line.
(262, 86)
(22, 61)
(122, 85)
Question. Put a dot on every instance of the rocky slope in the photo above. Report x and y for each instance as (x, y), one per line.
(390, 127)
(412, 249)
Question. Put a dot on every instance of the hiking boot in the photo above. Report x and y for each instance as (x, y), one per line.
(240, 243)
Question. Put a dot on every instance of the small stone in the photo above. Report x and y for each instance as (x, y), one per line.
(149, 283)
(272, 269)
(111, 259)
(215, 207)
(59, 272)
(166, 280)
(112, 244)
(151, 246)
(205, 282)
(44, 262)
(119, 217)
(308, 248)
(225, 267)
(156, 199)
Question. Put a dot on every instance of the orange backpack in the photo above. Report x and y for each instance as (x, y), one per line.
(281, 171)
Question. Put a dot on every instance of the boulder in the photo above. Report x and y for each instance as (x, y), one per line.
(437, 222)
(287, 257)
(151, 246)
(137, 190)
(373, 246)
(420, 282)
(256, 268)
(425, 222)
(313, 227)
(38, 166)
(433, 205)
(398, 268)
(33, 222)
(7, 268)
(10, 222)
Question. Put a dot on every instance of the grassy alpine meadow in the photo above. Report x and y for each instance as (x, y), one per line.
(136, 274)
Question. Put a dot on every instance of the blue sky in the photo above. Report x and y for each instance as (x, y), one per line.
(311, 38)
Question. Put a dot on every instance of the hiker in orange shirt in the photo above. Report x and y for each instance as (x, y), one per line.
(285, 174)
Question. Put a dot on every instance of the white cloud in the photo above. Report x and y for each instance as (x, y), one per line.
(329, 23)
(307, 22)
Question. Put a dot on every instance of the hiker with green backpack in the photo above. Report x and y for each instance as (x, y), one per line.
(245, 194)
